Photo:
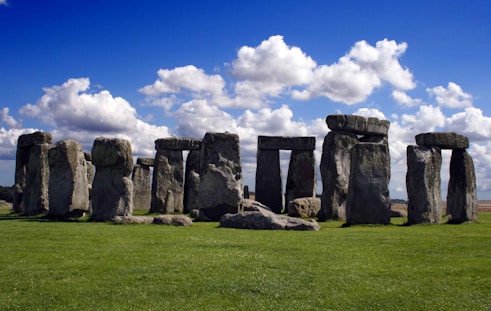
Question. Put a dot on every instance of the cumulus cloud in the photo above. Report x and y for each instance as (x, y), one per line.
(8, 120)
(471, 123)
(405, 100)
(451, 97)
(73, 111)
(3, 2)
(8, 141)
(355, 76)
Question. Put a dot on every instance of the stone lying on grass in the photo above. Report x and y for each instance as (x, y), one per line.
(398, 213)
(133, 219)
(249, 205)
(266, 220)
(304, 207)
(173, 220)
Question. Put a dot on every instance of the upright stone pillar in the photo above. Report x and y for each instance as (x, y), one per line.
(220, 188)
(112, 189)
(24, 145)
(68, 183)
(168, 175)
(461, 196)
(335, 172)
(423, 184)
(36, 200)
(191, 181)
(301, 180)
(142, 194)
(268, 179)
(368, 200)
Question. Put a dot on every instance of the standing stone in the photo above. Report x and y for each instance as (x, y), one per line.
(35, 197)
(368, 200)
(423, 184)
(191, 181)
(112, 189)
(268, 179)
(246, 192)
(461, 195)
(68, 184)
(142, 194)
(168, 175)
(335, 172)
(220, 189)
(301, 179)
(24, 144)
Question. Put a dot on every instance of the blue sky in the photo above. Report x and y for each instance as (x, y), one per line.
(143, 70)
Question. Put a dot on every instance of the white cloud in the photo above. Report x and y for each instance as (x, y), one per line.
(8, 141)
(471, 123)
(370, 112)
(8, 120)
(451, 97)
(72, 111)
(3, 2)
(405, 100)
(355, 76)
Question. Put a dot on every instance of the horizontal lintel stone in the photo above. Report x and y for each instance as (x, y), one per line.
(145, 161)
(286, 143)
(35, 138)
(357, 124)
(174, 143)
(444, 140)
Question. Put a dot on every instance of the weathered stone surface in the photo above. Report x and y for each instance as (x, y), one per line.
(68, 184)
(264, 220)
(461, 196)
(113, 152)
(133, 219)
(88, 156)
(174, 143)
(191, 181)
(444, 140)
(35, 193)
(142, 194)
(398, 213)
(36, 138)
(246, 192)
(268, 179)
(358, 124)
(220, 188)
(24, 144)
(145, 161)
(168, 175)
(286, 143)
(90, 173)
(301, 180)
(173, 220)
(335, 171)
(368, 200)
(304, 207)
(112, 189)
(423, 184)
(249, 205)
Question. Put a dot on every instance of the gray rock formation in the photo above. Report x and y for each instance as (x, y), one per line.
(286, 142)
(173, 220)
(168, 176)
(142, 194)
(368, 200)
(174, 143)
(301, 180)
(133, 219)
(24, 146)
(335, 172)
(304, 207)
(68, 183)
(112, 189)
(145, 161)
(423, 184)
(357, 124)
(461, 196)
(265, 220)
(35, 196)
(444, 140)
(191, 181)
(220, 188)
(268, 179)
(249, 205)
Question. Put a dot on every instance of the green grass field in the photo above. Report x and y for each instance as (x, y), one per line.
(48, 265)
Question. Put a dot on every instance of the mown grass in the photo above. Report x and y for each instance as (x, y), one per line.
(48, 265)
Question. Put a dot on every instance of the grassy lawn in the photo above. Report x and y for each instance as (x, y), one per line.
(48, 265)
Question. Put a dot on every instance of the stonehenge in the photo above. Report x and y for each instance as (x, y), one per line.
(423, 179)
(62, 181)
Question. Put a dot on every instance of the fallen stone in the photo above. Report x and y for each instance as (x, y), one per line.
(304, 207)
(264, 220)
(304, 143)
(174, 143)
(133, 219)
(444, 140)
(398, 213)
(423, 184)
(220, 188)
(461, 194)
(173, 220)
(249, 205)
(357, 124)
